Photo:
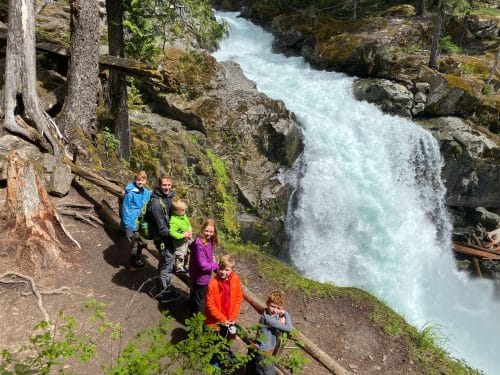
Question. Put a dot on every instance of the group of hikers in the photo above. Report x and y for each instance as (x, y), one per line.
(215, 286)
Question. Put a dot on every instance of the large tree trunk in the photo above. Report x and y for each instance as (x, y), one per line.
(78, 117)
(20, 77)
(421, 8)
(117, 80)
(32, 229)
(437, 36)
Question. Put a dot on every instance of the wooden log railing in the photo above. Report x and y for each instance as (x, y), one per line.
(112, 219)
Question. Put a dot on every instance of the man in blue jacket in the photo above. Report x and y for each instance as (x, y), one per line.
(136, 196)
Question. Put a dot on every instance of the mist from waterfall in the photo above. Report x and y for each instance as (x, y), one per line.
(368, 209)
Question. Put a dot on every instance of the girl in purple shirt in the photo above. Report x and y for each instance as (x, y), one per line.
(202, 263)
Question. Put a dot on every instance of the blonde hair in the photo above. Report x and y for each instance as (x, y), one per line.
(227, 261)
(141, 175)
(178, 205)
(206, 223)
(277, 297)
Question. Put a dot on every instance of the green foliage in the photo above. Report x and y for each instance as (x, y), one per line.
(150, 24)
(293, 359)
(466, 68)
(228, 204)
(486, 11)
(110, 141)
(447, 45)
(135, 99)
(48, 349)
(488, 90)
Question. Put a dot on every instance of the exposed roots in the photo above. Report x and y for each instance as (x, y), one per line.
(12, 277)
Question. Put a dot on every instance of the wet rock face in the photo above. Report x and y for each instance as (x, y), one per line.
(256, 137)
(472, 168)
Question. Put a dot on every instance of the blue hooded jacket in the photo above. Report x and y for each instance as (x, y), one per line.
(133, 202)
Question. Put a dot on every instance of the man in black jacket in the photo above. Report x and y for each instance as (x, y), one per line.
(159, 209)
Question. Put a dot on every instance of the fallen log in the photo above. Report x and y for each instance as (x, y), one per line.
(307, 345)
(109, 216)
(94, 178)
(475, 251)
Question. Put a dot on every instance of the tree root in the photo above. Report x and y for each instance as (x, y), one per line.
(34, 289)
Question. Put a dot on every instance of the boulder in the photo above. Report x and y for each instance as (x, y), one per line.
(391, 97)
(472, 162)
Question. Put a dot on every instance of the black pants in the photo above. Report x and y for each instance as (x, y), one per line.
(197, 298)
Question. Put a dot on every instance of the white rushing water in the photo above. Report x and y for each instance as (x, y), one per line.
(368, 208)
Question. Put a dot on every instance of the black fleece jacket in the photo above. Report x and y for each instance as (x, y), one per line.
(158, 214)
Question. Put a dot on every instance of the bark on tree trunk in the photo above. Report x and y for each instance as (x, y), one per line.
(435, 40)
(117, 80)
(421, 8)
(31, 221)
(78, 116)
(20, 77)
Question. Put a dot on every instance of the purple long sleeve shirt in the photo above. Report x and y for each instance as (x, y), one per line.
(201, 262)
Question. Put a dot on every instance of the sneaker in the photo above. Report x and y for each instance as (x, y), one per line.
(170, 296)
(182, 270)
(137, 264)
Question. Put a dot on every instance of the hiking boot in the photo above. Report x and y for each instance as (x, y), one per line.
(182, 271)
(137, 264)
(170, 296)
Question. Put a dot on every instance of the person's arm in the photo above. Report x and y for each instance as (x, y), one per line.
(159, 218)
(204, 261)
(128, 214)
(211, 303)
(274, 321)
(237, 299)
(174, 230)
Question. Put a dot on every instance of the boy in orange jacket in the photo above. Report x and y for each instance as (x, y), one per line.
(224, 297)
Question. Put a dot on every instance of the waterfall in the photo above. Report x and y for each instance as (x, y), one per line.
(368, 209)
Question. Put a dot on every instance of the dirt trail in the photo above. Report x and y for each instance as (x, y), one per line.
(340, 327)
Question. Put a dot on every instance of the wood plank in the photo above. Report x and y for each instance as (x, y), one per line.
(482, 248)
(475, 252)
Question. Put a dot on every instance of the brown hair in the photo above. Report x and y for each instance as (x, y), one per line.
(277, 298)
(141, 175)
(178, 205)
(227, 261)
(206, 223)
(164, 177)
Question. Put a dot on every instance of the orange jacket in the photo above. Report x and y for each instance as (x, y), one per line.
(213, 302)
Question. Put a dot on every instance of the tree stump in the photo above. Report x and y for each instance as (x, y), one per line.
(33, 234)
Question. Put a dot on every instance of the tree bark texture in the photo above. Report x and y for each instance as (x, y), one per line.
(20, 77)
(437, 36)
(118, 80)
(421, 8)
(78, 117)
(38, 238)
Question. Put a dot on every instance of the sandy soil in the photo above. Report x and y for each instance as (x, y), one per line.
(343, 329)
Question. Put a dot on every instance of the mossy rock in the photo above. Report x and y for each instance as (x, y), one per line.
(402, 10)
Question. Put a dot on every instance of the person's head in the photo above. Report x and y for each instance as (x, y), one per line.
(179, 207)
(275, 302)
(140, 179)
(226, 266)
(165, 184)
(209, 231)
